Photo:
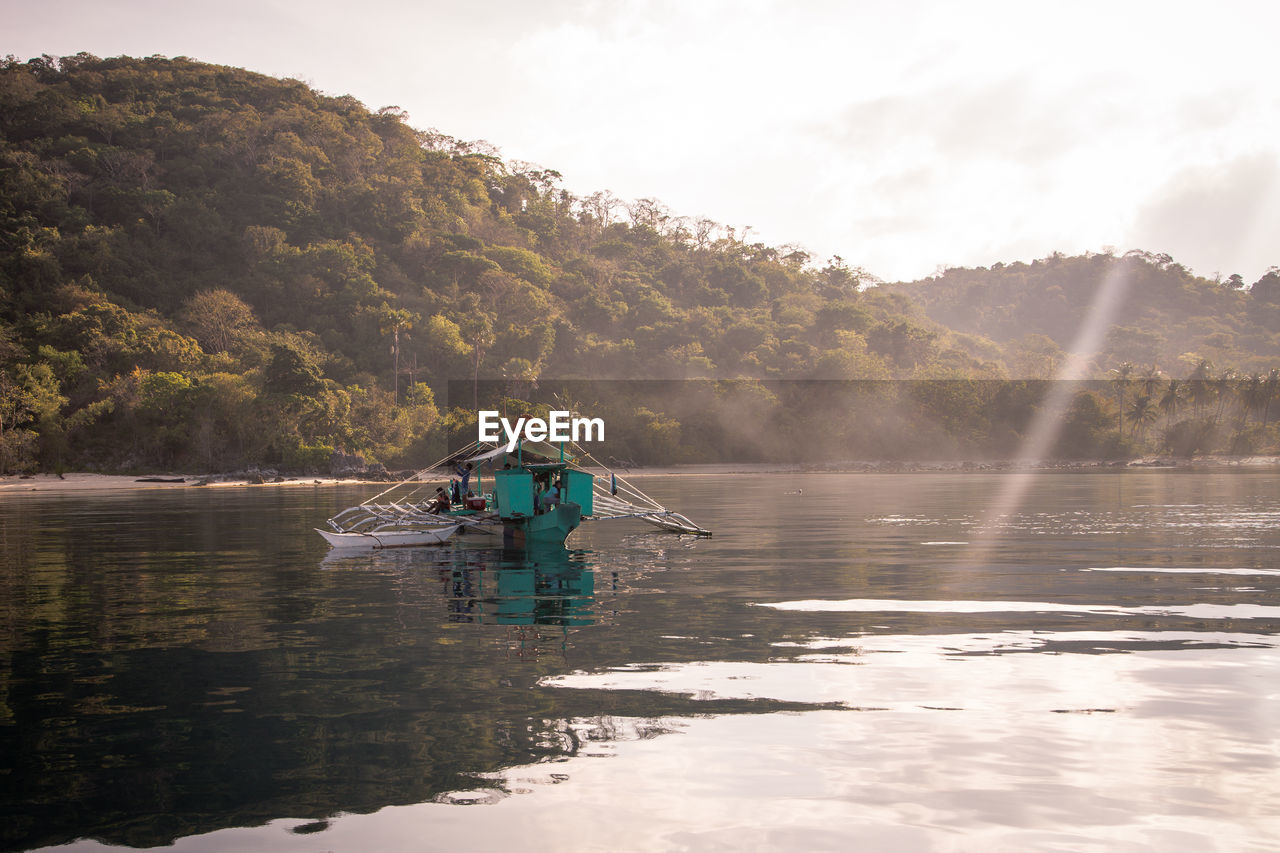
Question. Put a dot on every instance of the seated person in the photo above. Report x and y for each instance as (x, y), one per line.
(441, 502)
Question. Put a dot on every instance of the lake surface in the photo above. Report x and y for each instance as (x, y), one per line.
(916, 662)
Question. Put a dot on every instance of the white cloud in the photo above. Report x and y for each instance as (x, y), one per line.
(1219, 219)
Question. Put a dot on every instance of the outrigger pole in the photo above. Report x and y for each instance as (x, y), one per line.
(634, 503)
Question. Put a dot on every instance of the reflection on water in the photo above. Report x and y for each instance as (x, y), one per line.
(832, 670)
(885, 605)
(543, 585)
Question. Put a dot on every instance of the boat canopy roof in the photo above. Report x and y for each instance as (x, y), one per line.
(496, 454)
(487, 455)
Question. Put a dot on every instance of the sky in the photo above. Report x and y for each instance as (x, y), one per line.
(904, 136)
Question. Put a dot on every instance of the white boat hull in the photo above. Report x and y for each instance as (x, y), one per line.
(388, 538)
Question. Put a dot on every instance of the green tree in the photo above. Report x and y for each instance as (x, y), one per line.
(292, 372)
(1085, 428)
(1036, 356)
(217, 317)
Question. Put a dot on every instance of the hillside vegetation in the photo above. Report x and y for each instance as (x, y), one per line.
(1165, 318)
(203, 269)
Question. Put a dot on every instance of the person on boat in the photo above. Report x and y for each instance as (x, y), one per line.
(464, 478)
(441, 503)
(550, 497)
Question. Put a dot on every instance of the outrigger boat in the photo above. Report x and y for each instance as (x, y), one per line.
(515, 512)
(404, 535)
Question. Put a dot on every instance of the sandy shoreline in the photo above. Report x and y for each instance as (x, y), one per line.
(120, 482)
(78, 483)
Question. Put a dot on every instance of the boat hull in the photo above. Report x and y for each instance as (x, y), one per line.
(494, 531)
(388, 538)
(552, 527)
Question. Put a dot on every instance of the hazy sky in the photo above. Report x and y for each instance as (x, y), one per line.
(902, 135)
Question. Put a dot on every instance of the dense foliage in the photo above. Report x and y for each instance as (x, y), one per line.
(202, 268)
(1162, 316)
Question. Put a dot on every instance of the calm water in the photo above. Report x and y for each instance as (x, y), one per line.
(877, 663)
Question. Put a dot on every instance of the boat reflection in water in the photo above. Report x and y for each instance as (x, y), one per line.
(544, 586)
(539, 594)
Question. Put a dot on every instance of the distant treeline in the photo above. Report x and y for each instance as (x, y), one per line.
(203, 268)
(660, 422)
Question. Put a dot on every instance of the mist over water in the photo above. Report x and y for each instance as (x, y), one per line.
(832, 670)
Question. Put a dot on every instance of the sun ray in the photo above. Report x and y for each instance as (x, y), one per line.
(1045, 427)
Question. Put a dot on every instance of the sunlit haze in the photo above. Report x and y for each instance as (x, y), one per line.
(902, 136)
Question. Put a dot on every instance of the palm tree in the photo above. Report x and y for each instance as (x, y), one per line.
(1151, 380)
(1200, 390)
(1143, 412)
(1270, 386)
(1224, 388)
(1251, 391)
(1121, 382)
(1171, 399)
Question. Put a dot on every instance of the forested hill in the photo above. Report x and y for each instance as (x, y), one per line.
(1164, 316)
(204, 268)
